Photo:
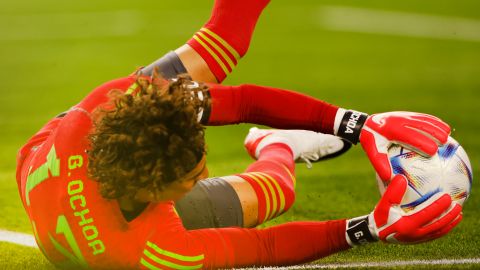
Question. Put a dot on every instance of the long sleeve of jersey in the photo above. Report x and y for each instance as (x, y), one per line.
(286, 244)
(269, 106)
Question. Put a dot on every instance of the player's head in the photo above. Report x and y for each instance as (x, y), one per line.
(149, 146)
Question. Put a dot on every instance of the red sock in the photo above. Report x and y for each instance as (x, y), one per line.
(269, 106)
(272, 178)
(225, 38)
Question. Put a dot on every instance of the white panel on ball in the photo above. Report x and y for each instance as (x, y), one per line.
(449, 170)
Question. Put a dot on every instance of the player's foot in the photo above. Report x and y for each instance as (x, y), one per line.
(307, 146)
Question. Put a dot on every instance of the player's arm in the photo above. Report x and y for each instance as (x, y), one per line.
(225, 248)
(216, 48)
(300, 242)
(290, 110)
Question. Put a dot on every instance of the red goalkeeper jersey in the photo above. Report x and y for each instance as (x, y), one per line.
(75, 227)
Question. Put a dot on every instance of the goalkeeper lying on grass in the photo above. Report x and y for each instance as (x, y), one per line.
(112, 183)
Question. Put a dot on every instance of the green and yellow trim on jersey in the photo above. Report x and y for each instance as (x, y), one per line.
(155, 258)
(132, 88)
(37, 176)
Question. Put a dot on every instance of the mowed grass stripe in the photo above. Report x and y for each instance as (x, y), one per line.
(80, 25)
(364, 20)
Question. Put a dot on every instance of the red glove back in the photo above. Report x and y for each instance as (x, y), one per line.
(419, 132)
(430, 220)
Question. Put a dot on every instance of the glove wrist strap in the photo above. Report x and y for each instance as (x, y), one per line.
(358, 231)
(350, 125)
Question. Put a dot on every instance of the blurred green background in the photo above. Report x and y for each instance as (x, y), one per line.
(369, 55)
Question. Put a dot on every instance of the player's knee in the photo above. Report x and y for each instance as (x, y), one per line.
(212, 203)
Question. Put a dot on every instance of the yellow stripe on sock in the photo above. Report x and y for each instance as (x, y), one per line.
(213, 54)
(267, 199)
(272, 191)
(220, 50)
(280, 192)
(223, 42)
(294, 180)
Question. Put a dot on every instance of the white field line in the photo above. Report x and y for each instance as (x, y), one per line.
(371, 21)
(29, 241)
(57, 26)
(376, 264)
(22, 239)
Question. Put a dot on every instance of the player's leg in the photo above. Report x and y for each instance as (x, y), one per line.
(272, 176)
(217, 47)
(265, 190)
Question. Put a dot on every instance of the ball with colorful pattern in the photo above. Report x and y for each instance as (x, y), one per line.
(449, 170)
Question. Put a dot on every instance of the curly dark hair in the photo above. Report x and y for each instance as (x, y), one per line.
(148, 139)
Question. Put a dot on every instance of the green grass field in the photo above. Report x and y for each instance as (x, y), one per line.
(54, 52)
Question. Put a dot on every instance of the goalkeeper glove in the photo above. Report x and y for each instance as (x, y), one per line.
(376, 133)
(388, 222)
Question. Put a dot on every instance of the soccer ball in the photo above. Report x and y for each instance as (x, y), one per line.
(449, 171)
